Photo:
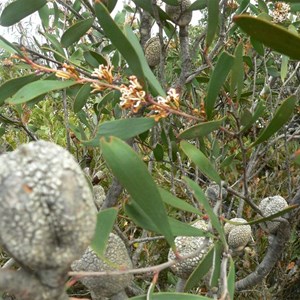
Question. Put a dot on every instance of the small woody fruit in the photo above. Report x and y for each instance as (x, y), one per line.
(152, 51)
(238, 236)
(179, 13)
(269, 206)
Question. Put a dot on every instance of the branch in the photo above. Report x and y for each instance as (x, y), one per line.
(278, 243)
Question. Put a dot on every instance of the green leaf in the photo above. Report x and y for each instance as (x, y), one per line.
(119, 40)
(171, 2)
(81, 97)
(9, 47)
(200, 160)
(171, 296)
(37, 88)
(200, 271)
(258, 46)
(231, 279)
(147, 6)
(158, 152)
(2, 131)
(198, 5)
(237, 73)
(172, 200)
(218, 250)
(105, 222)
(55, 44)
(44, 14)
(136, 214)
(284, 67)
(259, 110)
(212, 21)
(202, 129)
(123, 129)
(18, 10)
(134, 176)
(270, 34)
(179, 228)
(75, 32)
(282, 115)
(200, 196)
(10, 87)
(152, 80)
(216, 81)
(94, 59)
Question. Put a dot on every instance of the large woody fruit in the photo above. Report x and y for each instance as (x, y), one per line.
(187, 245)
(47, 215)
(115, 257)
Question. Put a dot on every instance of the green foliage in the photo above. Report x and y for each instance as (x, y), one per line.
(235, 99)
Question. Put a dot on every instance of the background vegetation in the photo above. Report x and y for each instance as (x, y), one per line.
(221, 106)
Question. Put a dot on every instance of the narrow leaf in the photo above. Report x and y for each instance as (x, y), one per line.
(198, 5)
(152, 80)
(119, 40)
(200, 271)
(216, 268)
(171, 296)
(216, 81)
(10, 87)
(200, 160)
(170, 199)
(270, 34)
(123, 129)
(200, 196)
(105, 222)
(134, 176)
(237, 73)
(231, 279)
(18, 10)
(9, 47)
(94, 59)
(37, 88)
(81, 97)
(75, 32)
(282, 115)
(200, 130)
(259, 110)
(284, 67)
(212, 21)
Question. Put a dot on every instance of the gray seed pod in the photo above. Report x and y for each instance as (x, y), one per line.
(47, 215)
(152, 51)
(213, 192)
(270, 206)
(237, 236)
(99, 195)
(187, 245)
(179, 13)
(116, 256)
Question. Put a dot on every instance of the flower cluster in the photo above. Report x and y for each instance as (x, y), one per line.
(281, 12)
(67, 72)
(163, 106)
(133, 96)
(103, 73)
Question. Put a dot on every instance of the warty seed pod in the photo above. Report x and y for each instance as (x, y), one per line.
(187, 245)
(179, 13)
(152, 51)
(47, 215)
(238, 236)
(116, 256)
(270, 206)
(213, 192)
